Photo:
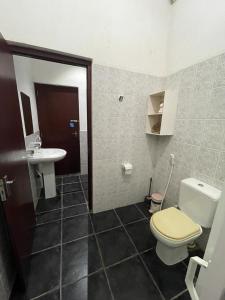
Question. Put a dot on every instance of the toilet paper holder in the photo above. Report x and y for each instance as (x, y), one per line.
(127, 168)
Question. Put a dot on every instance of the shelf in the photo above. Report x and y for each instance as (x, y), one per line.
(153, 133)
(161, 113)
(157, 114)
(154, 124)
(154, 103)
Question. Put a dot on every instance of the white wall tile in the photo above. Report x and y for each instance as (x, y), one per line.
(119, 135)
(199, 139)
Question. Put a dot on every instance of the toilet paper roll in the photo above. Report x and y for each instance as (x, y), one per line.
(127, 168)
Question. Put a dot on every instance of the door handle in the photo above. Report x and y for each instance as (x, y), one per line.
(190, 275)
(7, 184)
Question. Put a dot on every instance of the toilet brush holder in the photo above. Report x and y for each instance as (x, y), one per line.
(148, 197)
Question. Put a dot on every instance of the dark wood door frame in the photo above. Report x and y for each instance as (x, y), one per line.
(31, 51)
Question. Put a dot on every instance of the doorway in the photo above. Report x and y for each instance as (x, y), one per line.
(58, 116)
(48, 55)
(19, 213)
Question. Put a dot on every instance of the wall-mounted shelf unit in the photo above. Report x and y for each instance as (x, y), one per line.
(161, 113)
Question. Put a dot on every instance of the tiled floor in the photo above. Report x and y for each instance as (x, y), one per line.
(78, 255)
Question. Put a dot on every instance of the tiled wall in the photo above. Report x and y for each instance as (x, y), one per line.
(199, 139)
(119, 135)
(83, 152)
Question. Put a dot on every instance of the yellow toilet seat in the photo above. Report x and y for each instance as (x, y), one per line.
(175, 225)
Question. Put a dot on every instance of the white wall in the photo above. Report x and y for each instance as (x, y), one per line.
(128, 34)
(59, 74)
(29, 71)
(197, 32)
(25, 84)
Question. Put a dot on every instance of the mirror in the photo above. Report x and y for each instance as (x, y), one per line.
(27, 113)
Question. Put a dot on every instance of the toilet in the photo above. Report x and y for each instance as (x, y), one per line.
(175, 228)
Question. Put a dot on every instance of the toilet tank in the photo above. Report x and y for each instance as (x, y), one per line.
(198, 200)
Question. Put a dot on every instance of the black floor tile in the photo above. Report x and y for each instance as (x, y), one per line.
(129, 214)
(115, 245)
(71, 187)
(193, 252)
(130, 281)
(70, 179)
(105, 220)
(144, 207)
(55, 295)
(84, 178)
(75, 210)
(48, 204)
(59, 189)
(17, 293)
(58, 180)
(48, 216)
(73, 199)
(46, 235)
(44, 272)
(76, 227)
(85, 185)
(141, 235)
(94, 287)
(184, 296)
(79, 259)
(170, 279)
(86, 194)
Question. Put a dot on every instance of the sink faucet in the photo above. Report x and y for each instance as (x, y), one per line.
(30, 151)
(37, 143)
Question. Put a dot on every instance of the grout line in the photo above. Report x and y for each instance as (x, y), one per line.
(141, 211)
(73, 217)
(104, 268)
(99, 251)
(70, 192)
(47, 211)
(43, 250)
(61, 249)
(139, 255)
(47, 222)
(136, 221)
(147, 250)
(45, 293)
(69, 217)
(74, 192)
(184, 263)
(83, 277)
(70, 182)
(84, 203)
(121, 261)
(179, 294)
(78, 239)
(106, 230)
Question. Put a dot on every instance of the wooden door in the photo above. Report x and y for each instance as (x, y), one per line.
(58, 115)
(18, 208)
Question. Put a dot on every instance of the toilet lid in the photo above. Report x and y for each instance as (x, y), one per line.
(174, 224)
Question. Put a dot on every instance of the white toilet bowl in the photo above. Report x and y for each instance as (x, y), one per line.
(173, 231)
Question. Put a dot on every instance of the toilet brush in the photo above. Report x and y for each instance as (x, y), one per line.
(148, 197)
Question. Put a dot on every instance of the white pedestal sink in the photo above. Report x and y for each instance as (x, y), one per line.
(45, 158)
